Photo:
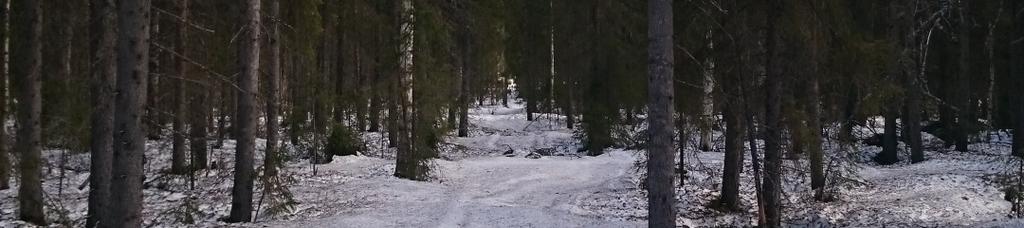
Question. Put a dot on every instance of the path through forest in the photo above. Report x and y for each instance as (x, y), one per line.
(483, 188)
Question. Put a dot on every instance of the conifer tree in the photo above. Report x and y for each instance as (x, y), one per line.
(104, 76)
(660, 187)
(247, 115)
(129, 101)
(26, 69)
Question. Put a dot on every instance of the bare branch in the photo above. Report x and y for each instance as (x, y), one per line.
(181, 20)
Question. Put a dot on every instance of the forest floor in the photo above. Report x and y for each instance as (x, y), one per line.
(476, 184)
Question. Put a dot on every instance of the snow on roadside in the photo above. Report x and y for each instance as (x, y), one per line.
(476, 185)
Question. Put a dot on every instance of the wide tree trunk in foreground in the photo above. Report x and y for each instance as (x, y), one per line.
(104, 75)
(130, 98)
(26, 66)
(247, 115)
(660, 188)
(5, 158)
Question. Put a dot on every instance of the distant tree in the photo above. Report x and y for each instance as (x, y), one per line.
(26, 68)
(660, 148)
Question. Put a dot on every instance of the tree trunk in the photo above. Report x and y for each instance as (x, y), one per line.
(890, 139)
(247, 115)
(104, 76)
(198, 132)
(570, 109)
(772, 187)
(130, 100)
(963, 79)
(393, 113)
(707, 115)
(504, 92)
(733, 161)
(224, 98)
(375, 112)
(270, 157)
(1017, 71)
(5, 159)
(815, 154)
(683, 136)
(152, 118)
(178, 155)
(407, 158)
(531, 107)
(912, 119)
(660, 189)
(360, 98)
(27, 67)
(467, 74)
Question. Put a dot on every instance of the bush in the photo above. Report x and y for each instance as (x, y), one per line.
(343, 142)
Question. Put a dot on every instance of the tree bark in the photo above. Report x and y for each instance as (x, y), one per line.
(570, 109)
(773, 151)
(26, 68)
(1017, 71)
(178, 155)
(890, 139)
(375, 112)
(683, 136)
(247, 115)
(661, 190)
(407, 157)
(963, 78)
(153, 118)
(733, 160)
(815, 154)
(130, 100)
(707, 115)
(270, 157)
(467, 74)
(199, 130)
(104, 76)
(913, 86)
(5, 159)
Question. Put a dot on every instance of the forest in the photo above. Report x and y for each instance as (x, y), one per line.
(511, 113)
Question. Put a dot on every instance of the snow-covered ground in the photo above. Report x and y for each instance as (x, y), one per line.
(477, 185)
